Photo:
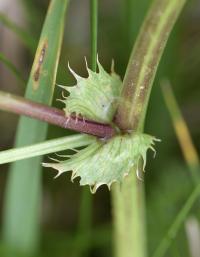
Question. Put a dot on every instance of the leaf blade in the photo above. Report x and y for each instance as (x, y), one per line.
(47, 147)
(23, 192)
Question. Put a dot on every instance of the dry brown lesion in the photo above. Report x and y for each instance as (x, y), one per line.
(39, 62)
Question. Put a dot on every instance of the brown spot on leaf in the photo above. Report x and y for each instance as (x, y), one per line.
(38, 64)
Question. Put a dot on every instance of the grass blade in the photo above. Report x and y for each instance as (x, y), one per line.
(23, 192)
(85, 217)
(93, 32)
(49, 146)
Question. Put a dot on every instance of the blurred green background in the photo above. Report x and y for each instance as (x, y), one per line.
(167, 180)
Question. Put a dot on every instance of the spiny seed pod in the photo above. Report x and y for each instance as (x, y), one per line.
(104, 161)
(95, 97)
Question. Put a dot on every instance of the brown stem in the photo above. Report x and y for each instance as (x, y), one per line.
(21, 106)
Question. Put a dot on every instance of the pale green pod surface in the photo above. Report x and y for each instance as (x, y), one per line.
(102, 162)
(95, 97)
(106, 162)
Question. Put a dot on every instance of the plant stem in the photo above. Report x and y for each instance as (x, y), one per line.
(19, 105)
(49, 146)
(21, 217)
(129, 218)
(85, 217)
(144, 61)
(93, 32)
(128, 201)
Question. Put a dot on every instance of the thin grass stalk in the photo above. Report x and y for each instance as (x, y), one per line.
(93, 32)
(21, 218)
(85, 218)
(128, 201)
(47, 147)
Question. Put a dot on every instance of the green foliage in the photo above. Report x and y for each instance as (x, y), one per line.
(49, 146)
(23, 192)
(102, 162)
(166, 189)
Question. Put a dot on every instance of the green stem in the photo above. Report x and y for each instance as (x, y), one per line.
(21, 226)
(144, 61)
(85, 218)
(93, 32)
(49, 146)
(129, 202)
(129, 218)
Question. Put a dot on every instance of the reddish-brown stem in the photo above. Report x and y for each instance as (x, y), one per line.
(21, 106)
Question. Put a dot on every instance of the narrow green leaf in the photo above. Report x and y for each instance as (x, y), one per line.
(12, 68)
(93, 32)
(85, 217)
(49, 146)
(23, 192)
(25, 37)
